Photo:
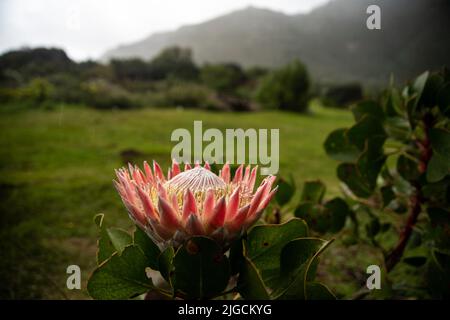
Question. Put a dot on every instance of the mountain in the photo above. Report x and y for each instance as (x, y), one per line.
(332, 40)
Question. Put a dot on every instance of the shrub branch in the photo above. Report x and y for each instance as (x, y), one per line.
(416, 199)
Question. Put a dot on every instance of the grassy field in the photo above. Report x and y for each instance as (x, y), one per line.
(57, 168)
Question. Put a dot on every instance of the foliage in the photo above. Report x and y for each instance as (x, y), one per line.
(171, 62)
(224, 78)
(33, 63)
(132, 69)
(170, 79)
(36, 92)
(286, 88)
(186, 95)
(102, 94)
(270, 262)
(395, 160)
(174, 62)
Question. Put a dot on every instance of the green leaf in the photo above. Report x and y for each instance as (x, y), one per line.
(329, 217)
(236, 256)
(367, 128)
(318, 291)
(407, 168)
(438, 276)
(98, 219)
(393, 103)
(413, 98)
(338, 146)
(367, 107)
(250, 284)
(105, 248)
(419, 86)
(265, 242)
(398, 128)
(298, 265)
(338, 210)
(415, 261)
(369, 165)
(438, 167)
(444, 99)
(349, 174)
(440, 142)
(119, 238)
(438, 193)
(120, 277)
(111, 240)
(430, 93)
(440, 224)
(285, 192)
(361, 177)
(201, 270)
(313, 191)
(148, 247)
(312, 213)
(297, 253)
(165, 263)
(442, 259)
(387, 193)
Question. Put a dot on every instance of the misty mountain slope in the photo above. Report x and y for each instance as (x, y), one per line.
(233, 37)
(332, 40)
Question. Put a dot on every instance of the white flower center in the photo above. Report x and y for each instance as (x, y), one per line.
(198, 180)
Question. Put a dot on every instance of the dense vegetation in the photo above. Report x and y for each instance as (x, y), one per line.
(394, 165)
(286, 88)
(43, 77)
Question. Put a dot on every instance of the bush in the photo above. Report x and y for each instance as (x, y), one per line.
(286, 88)
(102, 94)
(186, 95)
(174, 62)
(38, 62)
(224, 78)
(394, 166)
(67, 88)
(132, 69)
(38, 91)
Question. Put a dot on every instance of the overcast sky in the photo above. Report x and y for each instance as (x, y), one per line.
(87, 28)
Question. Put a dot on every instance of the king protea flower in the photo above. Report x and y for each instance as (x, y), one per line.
(193, 202)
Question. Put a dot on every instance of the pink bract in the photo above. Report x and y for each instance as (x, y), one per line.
(193, 202)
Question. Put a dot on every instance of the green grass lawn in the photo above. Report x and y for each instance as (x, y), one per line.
(57, 168)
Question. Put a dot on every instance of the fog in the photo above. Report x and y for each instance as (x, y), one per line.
(85, 29)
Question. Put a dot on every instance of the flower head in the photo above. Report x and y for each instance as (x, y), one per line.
(193, 202)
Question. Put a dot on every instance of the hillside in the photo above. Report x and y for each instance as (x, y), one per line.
(332, 40)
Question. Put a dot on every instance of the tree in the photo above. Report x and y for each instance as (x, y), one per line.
(174, 62)
(132, 69)
(286, 88)
(224, 77)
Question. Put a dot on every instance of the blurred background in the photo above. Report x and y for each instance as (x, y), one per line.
(87, 87)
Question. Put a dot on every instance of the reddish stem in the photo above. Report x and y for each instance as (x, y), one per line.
(416, 199)
(396, 254)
